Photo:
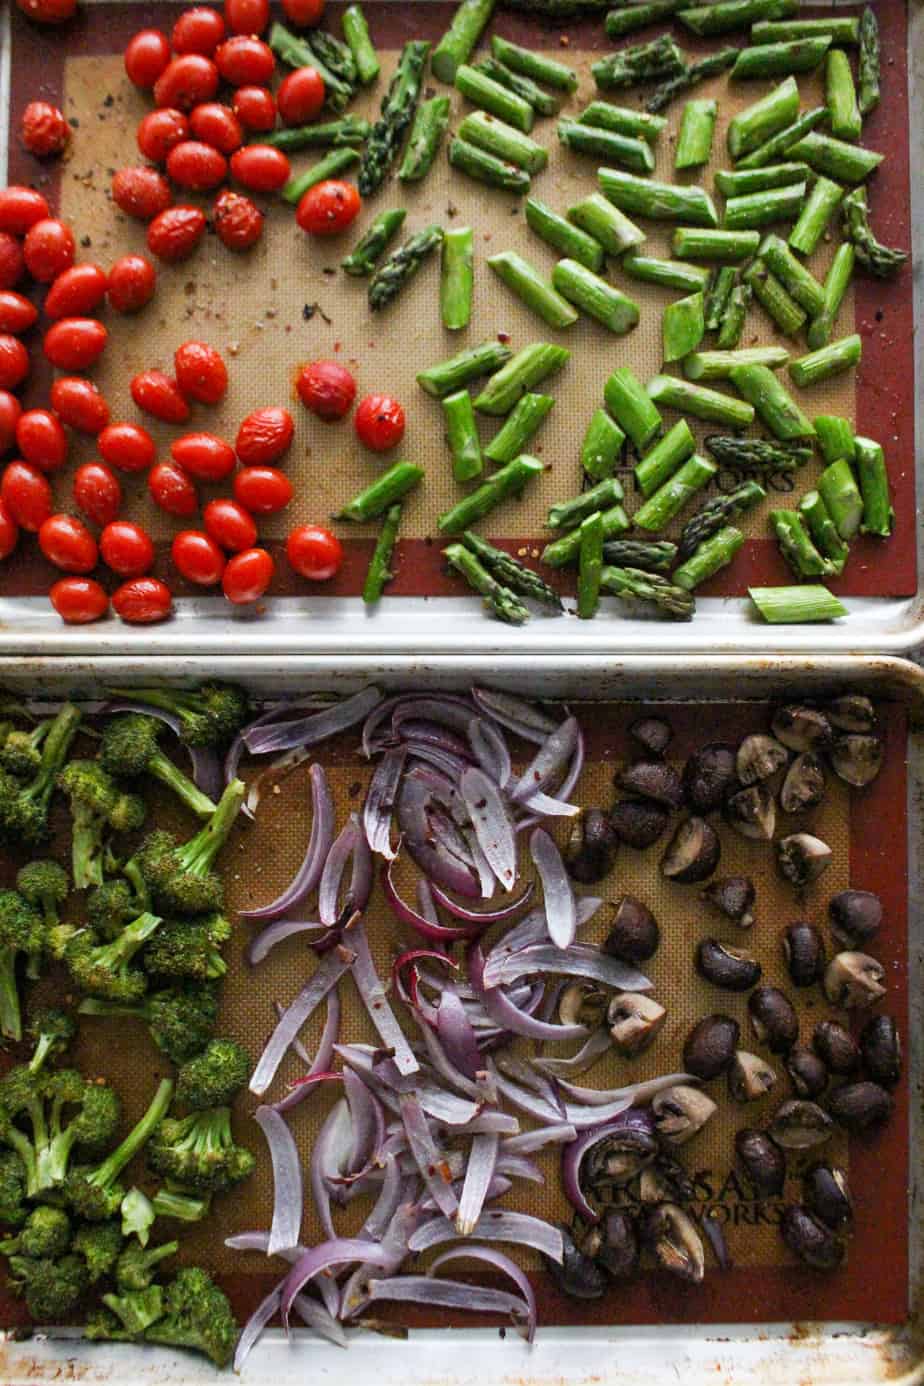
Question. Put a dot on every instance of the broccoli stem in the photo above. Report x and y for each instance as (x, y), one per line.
(10, 1012)
(171, 1203)
(105, 1175)
(200, 851)
(163, 769)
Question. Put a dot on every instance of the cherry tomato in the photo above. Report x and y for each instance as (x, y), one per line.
(12, 264)
(198, 30)
(48, 249)
(10, 410)
(79, 404)
(132, 281)
(143, 601)
(20, 209)
(68, 544)
(44, 130)
(14, 362)
(238, 221)
(300, 96)
(9, 532)
(48, 11)
(26, 494)
(305, 14)
(217, 125)
(245, 61)
(255, 108)
(262, 490)
(41, 439)
(78, 600)
(264, 435)
(204, 455)
(326, 388)
(229, 524)
(328, 207)
(73, 344)
(379, 422)
(147, 54)
(97, 492)
(247, 575)
(172, 490)
(141, 192)
(197, 557)
(186, 81)
(247, 16)
(127, 446)
(160, 396)
(200, 372)
(196, 166)
(261, 168)
(126, 548)
(76, 292)
(314, 552)
(174, 234)
(17, 313)
(159, 132)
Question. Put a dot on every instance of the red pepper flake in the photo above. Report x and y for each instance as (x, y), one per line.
(337, 346)
(564, 40)
(503, 337)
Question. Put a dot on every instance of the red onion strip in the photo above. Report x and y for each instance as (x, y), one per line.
(431, 839)
(449, 710)
(538, 1139)
(533, 928)
(456, 1034)
(498, 1186)
(319, 844)
(319, 1320)
(252, 1331)
(278, 769)
(492, 825)
(327, 975)
(394, 1248)
(445, 761)
(521, 1167)
(594, 1047)
(579, 960)
(332, 874)
(417, 732)
(337, 1251)
(442, 1066)
(493, 1122)
(287, 1180)
(490, 750)
(481, 918)
(478, 1174)
(502, 1263)
(368, 1122)
(328, 1155)
(504, 1013)
(387, 1202)
(548, 764)
(437, 933)
(560, 906)
(302, 1088)
(380, 801)
(309, 731)
(522, 1072)
(381, 1014)
(262, 943)
(515, 713)
(572, 1155)
(487, 881)
(445, 1294)
(496, 1225)
(641, 1092)
(427, 1155)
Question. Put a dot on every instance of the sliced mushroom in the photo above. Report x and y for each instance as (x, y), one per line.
(804, 951)
(804, 785)
(733, 897)
(854, 980)
(578, 1276)
(857, 759)
(762, 1162)
(592, 847)
(710, 1047)
(666, 1181)
(679, 1112)
(808, 1073)
(836, 1047)
(806, 1235)
(759, 757)
(652, 734)
(750, 1077)
(653, 779)
(881, 1050)
(619, 1249)
(827, 1195)
(708, 776)
(582, 1003)
(671, 1237)
(855, 917)
(732, 969)
(615, 1160)
(773, 1019)
(752, 812)
(853, 712)
(859, 1106)
(634, 934)
(692, 853)
(638, 822)
(801, 858)
(801, 728)
(634, 1020)
(799, 1125)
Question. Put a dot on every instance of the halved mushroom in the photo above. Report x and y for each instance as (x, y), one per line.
(799, 1125)
(634, 934)
(759, 756)
(857, 759)
(836, 1047)
(752, 812)
(615, 1160)
(582, 1003)
(853, 712)
(708, 776)
(763, 1163)
(801, 858)
(653, 779)
(734, 897)
(807, 1072)
(653, 734)
(807, 1236)
(804, 951)
(730, 968)
(638, 822)
(634, 1019)
(692, 853)
(854, 980)
(801, 728)
(855, 916)
(858, 1106)
(881, 1048)
(709, 1048)
(750, 1077)
(804, 785)
(592, 847)
(671, 1237)
(578, 1276)
(773, 1019)
(827, 1195)
(679, 1112)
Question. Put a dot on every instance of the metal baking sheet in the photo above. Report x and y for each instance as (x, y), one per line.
(258, 316)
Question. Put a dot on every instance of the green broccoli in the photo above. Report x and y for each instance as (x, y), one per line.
(98, 806)
(181, 1018)
(21, 751)
(52, 1288)
(95, 1194)
(114, 904)
(179, 877)
(136, 1266)
(45, 1232)
(199, 1151)
(211, 716)
(22, 1096)
(189, 948)
(129, 748)
(104, 969)
(213, 1077)
(175, 1201)
(137, 1216)
(91, 1129)
(136, 1310)
(52, 1032)
(45, 884)
(13, 1207)
(103, 1326)
(21, 932)
(24, 807)
(99, 1243)
(197, 1316)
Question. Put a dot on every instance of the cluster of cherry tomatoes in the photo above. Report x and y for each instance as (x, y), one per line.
(328, 390)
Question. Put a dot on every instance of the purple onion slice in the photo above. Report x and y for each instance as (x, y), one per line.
(310, 730)
(319, 845)
(335, 1252)
(427, 1154)
(638, 1119)
(495, 1225)
(560, 907)
(580, 960)
(502, 1263)
(327, 975)
(287, 1180)
(516, 714)
(380, 802)
(478, 1175)
(492, 826)
(548, 764)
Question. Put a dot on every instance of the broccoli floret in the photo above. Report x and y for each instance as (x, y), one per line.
(21, 932)
(21, 751)
(104, 969)
(175, 1201)
(13, 1207)
(52, 1032)
(197, 1316)
(22, 1097)
(92, 1128)
(129, 748)
(103, 1326)
(95, 1194)
(45, 884)
(98, 806)
(24, 806)
(136, 1266)
(199, 1150)
(136, 1310)
(113, 905)
(210, 716)
(137, 1216)
(181, 1018)
(45, 1232)
(52, 1287)
(179, 876)
(189, 948)
(99, 1243)
(213, 1077)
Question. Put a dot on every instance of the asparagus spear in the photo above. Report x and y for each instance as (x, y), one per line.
(682, 327)
(397, 112)
(521, 423)
(356, 33)
(629, 20)
(713, 65)
(830, 360)
(561, 234)
(462, 436)
(595, 297)
(713, 553)
(815, 215)
(704, 243)
(515, 575)
(529, 63)
(661, 507)
(606, 224)
(841, 96)
(716, 513)
(459, 41)
(498, 599)
(879, 259)
(878, 515)
(384, 491)
(565, 550)
(841, 495)
(457, 277)
(571, 514)
(362, 258)
(753, 126)
(759, 178)
(774, 298)
(509, 481)
(602, 446)
(795, 605)
(379, 571)
(793, 275)
(670, 274)
(697, 127)
(823, 530)
(774, 404)
(542, 102)
(447, 376)
(757, 454)
(503, 141)
(764, 208)
(718, 365)
(642, 63)
(700, 401)
(835, 437)
(645, 197)
(868, 65)
(780, 144)
(486, 168)
(529, 367)
(634, 585)
(841, 29)
(847, 163)
(334, 55)
(333, 163)
(796, 545)
(666, 457)
(623, 150)
(780, 59)
(491, 96)
(729, 15)
(349, 131)
(400, 267)
(590, 566)
(431, 120)
(733, 318)
(529, 286)
(650, 555)
(721, 283)
(630, 406)
(624, 121)
(297, 52)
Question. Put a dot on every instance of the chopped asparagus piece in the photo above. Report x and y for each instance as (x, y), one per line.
(518, 428)
(847, 163)
(666, 457)
(716, 513)
(830, 360)
(841, 96)
(590, 566)
(815, 215)
(529, 63)
(645, 197)
(670, 274)
(515, 575)
(384, 491)
(431, 121)
(349, 131)
(712, 555)
(606, 224)
(448, 376)
(774, 404)
(757, 454)
(491, 96)
(397, 112)
(367, 251)
(487, 168)
(764, 208)
(787, 606)
(751, 180)
(792, 274)
(565, 550)
(509, 481)
(457, 277)
(356, 33)
(623, 150)
(649, 555)
(529, 367)
(780, 144)
(632, 584)
(713, 65)
(529, 286)
(542, 102)
(753, 126)
(868, 65)
(879, 259)
(841, 495)
(459, 41)
(670, 498)
(729, 15)
(558, 232)
(602, 446)
(630, 19)
(630, 406)
(702, 243)
(700, 401)
(462, 436)
(878, 515)
(379, 572)
(780, 59)
(718, 365)
(839, 29)
(796, 545)
(682, 327)
(401, 266)
(733, 318)
(333, 163)
(774, 298)
(504, 604)
(503, 141)
(595, 297)
(571, 514)
(823, 530)
(697, 127)
(623, 120)
(721, 283)
(644, 62)
(835, 437)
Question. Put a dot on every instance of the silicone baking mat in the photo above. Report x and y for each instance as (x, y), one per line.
(287, 302)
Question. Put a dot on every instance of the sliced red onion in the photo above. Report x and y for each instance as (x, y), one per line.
(319, 844)
(521, 1167)
(368, 1120)
(579, 1116)
(478, 1174)
(449, 710)
(502, 1263)
(487, 882)
(317, 727)
(252, 1331)
(327, 975)
(278, 769)
(569, 783)
(206, 767)
(393, 1246)
(297, 1047)
(337, 1251)
(641, 1092)
(518, 715)
(538, 1139)
(594, 1047)
(410, 992)
(302, 1088)
(340, 853)
(490, 750)
(437, 933)
(579, 960)
(427, 1155)
(378, 717)
(387, 1202)
(560, 907)
(505, 1014)
(572, 1156)
(430, 843)
(533, 927)
(488, 1123)
(495, 1225)
(380, 802)
(492, 826)
(418, 731)
(329, 1155)
(276, 712)
(456, 1034)
(443, 1067)
(370, 988)
(548, 764)
(498, 1186)
(259, 1241)
(544, 806)
(481, 918)
(446, 762)
(287, 1180)
(277, 932)
(522, 1072)
(319, 1320)
(445, 1294)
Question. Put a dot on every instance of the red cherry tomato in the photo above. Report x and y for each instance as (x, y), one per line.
(141, 192)
(264, 435)
(48, 11)
(79, 404)
(186, 81)
(217, 125)
(245, 61)
(76, 293)
(238, 221)
(305, 14)
(14, 362)
(314, 552)
(229, 524)
(126, 548)
(247, 16)
(127, 446)
(172, 490)
(200, 372)
(159, 132)
(26, 494)
(68, 544)
(10, 410)
(204, 455)
(9, 532)
(17, 313)
(73, 344)
(147, 54)
(132, 281)
(198, 30)
(44, 130)
(262, 490)
(379, 422)
(326, 388)
(12, 264)
(97, 492)
(247, 575)
(174, 234)
(328, 208)
(158, 395)
(300, 96)
(261, 168)
(48, 249)
(20, 209)
(78, 600)
(142, 601)
(255, 108)
(41, 439)
(197, 557)
(196, 166)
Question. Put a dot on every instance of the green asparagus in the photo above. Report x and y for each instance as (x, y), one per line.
(835, 437)
(841, 494)
(630, 406)
(462, 436)
(753, 126)
(716, 513)
(880, 260)
(367, 251)
(571, 514)
(542, 102)
(448, 376)
(622, 150)
(431, 121)
(829, 360)
(847, 163)
(333, 55)
(773, 402)
(700, 401)
(795, 605)
(397, 112)
(868, 65)
(558, 232)
(602, 446)
(682, 327)
(839, 29)
(529, 286)
(764, 208)
(645, 197)
(487, 168)
(508, 570)
(793, 275)
(713, 65)
(401, 266)
(490, 96)
(797, 547)
(716, 246)
(774, 298)
(666, 457)
(631, 18)
(721, 283)
(564, 551)
(669, 274)
(718, 365)
(757, 454)
(379, 571)
(733, 318)
(333, 163)
(509, 481)
(606, 224)
(457, 277)
(823, 530)
(503, 141)
(356, 33)
(649, 555)
(595, 297)
(530, 366)
(780, 59)
(729, 15)
(529, 63)
(498, 598)
(297, 52)
(780, 144)
(815, 215)
(670, 498)
(458, 43)
(624, 121)
(384, 491)
(644, 62)
(758, 179)
(878, 515)
(697, 126)
(841, 96)
(521, 423)
(632, 584)
(349, 131)
(713, 554)
(590, 566)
